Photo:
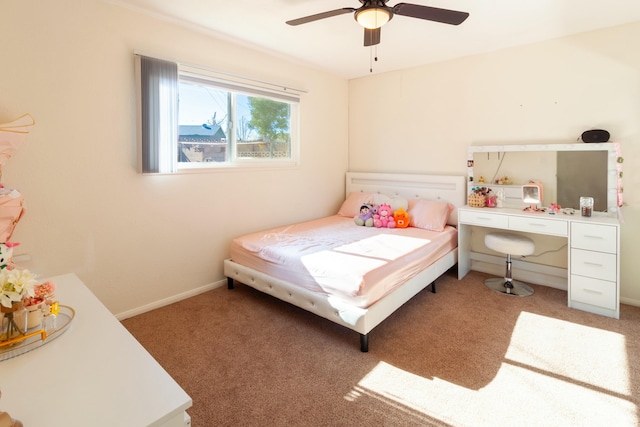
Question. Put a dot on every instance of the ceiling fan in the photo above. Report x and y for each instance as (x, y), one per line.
(373, 14)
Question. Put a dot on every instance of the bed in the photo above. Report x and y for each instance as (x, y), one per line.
(351, 275)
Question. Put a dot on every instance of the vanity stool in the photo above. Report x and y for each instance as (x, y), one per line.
(510, 244)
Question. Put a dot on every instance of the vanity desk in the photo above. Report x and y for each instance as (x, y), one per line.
(566, 172)
(593, 279)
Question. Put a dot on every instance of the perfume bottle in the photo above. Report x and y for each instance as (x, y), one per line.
(500, 199)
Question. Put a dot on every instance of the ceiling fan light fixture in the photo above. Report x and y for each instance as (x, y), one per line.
(373, 17)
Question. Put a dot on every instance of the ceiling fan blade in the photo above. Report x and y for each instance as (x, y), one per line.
(371, 36)
(445, 16)
(322, 15)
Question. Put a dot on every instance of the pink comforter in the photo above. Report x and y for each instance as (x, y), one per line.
(335, 257)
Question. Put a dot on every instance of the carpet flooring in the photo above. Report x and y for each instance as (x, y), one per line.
(464, 356)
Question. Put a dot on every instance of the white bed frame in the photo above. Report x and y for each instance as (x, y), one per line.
(435, 187)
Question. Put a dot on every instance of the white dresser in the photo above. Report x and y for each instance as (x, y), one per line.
(593, 250)
(94, 374)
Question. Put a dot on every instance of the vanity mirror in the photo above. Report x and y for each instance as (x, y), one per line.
(567, 172)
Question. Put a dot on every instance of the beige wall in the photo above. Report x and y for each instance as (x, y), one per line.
(136, 240)
(424, 119)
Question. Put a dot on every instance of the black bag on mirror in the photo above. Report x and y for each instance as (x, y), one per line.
(595, 135)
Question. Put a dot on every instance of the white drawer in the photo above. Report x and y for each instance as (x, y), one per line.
(484, 219)
(594, 264)
(595, 292)
(594, 237)
(532, 224)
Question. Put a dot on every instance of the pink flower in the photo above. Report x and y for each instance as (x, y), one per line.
(44, 290)
(41, 293)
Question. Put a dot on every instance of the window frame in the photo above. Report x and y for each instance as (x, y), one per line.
(158, 96)
(236, 86)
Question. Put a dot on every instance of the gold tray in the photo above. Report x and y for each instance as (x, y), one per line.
(38, 337)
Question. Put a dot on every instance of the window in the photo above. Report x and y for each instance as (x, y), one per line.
(193, 118)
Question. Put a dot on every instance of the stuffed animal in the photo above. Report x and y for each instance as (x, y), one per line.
(374, 211)
(375, 215)
(401, 217)
(384, 217)
(365, 218)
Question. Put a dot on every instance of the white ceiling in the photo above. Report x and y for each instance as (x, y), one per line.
(336, 44)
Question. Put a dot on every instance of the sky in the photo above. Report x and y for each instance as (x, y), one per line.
(198, 104)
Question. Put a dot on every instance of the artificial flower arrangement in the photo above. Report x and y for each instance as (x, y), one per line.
(42, 305)
(23, 297)
(42, 293)
(16, 286)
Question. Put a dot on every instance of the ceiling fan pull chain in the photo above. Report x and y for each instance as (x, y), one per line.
(372, 57)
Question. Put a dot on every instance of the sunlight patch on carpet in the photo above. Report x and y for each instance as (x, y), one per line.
(594, 357)
(401, 389)
(554, 372)
(529, 397)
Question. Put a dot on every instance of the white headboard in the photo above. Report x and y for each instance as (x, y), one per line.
(448, 188)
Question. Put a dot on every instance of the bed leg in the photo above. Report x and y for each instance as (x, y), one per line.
(229, 283)
(433, 287)
(364, 343)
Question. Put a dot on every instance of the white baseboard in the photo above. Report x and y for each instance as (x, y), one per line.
(529, 272)
(170, 300)
(522, 270)
(630, 301)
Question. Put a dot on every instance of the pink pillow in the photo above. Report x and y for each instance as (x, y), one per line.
(429, 214)
(351, 206)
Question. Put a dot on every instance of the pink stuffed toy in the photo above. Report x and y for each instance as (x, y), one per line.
(384, 217)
